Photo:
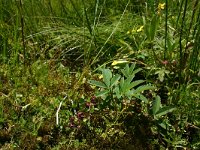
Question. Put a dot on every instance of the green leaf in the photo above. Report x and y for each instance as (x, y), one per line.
(102, 93)
(164, 111)
(162, 125)
(122, 84)
(143, 88)
(147, 30)
(135, 83)
(132, 68)
(161, 74)
(136, 71)
(141, 97)
(129, 78)
(128, 94)
(107, 75)
(97, 83)
(114, 80)
(124, 87)
(153, 27)
(156, 105)
(125, 71)
(117, 92)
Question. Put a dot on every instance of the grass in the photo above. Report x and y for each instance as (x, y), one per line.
(80, 55)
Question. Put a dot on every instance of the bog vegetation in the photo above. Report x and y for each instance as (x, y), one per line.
(99, 74)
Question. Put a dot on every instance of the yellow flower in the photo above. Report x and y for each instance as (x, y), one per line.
(133, 30)
(140, 29)
(101, 76)
(128, 32)
(161, 6)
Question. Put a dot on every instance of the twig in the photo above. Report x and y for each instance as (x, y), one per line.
(57, 119)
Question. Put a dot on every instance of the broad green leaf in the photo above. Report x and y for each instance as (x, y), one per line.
(164, 111)
(114, 80)
(107, 75)
(135, 83)
(156, 105)
(102, 93)
(97, 83)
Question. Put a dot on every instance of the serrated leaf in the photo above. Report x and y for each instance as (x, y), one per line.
(114, 80)
(156, 105)
(107, 75)
(135, 83)
(124, 87)
(102, 93)
(164, 111)
(122, 83)
(97, 83)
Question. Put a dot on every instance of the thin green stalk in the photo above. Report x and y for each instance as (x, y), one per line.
(194, 59)
(181, 62)
(21, 12)
(166, 28)
(179, 14)
(87, 18)
(93, 40)
(191, 24)
(197, 23)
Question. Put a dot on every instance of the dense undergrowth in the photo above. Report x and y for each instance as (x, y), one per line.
(110, 74)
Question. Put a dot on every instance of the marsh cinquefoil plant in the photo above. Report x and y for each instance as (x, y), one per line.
(115, 87)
